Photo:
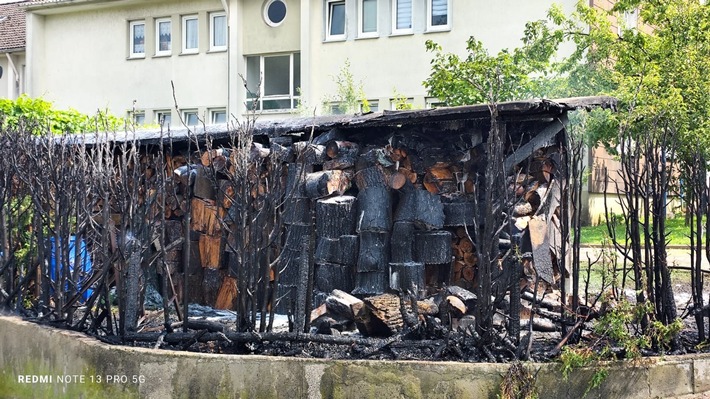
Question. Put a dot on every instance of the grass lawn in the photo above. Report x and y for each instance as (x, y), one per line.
(676, 227)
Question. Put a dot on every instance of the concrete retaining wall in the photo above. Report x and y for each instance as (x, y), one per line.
(37, 361)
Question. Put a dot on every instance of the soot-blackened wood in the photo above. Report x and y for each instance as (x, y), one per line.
(421, 207)
(204, 183)
(407, 276)
(343, 155)
(291, 253)
(309, 154)
(402, 242)
(337, 148)
(458, 211)
(349, 249)
(374, 252)
(373, 176)
(286, 297)
(342, 163)
(297, 211)
(328, 250)
(295, 180)
(433, 247)
(370, 283)
(336, 216)
(327, 182)
(330, 276)
(305, 286)
(211, 283)
(374, 209)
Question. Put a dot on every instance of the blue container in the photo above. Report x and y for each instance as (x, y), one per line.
(84, 261)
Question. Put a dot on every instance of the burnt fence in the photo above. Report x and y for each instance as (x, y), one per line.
(452, 237)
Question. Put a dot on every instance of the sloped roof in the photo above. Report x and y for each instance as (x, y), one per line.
(529, 109)
(12, 27)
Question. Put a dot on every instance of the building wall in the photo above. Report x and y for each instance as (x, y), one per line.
(101, 74)
(10, 86)
(390, 64)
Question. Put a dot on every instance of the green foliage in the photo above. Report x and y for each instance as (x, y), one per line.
(400, 102)
(39, 115)
(659, 74)
(349, 97)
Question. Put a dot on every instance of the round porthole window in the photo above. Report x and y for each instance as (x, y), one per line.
(275, 12)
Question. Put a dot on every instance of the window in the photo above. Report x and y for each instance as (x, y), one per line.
(372, 106)
(629, 20)
(218, 31)
(275, 12)
(402, 103)
(402, 16)
(137, 39)
(138, 117)
(163, 36)
(189, 34)
(367, 14)
(336, 20)
(433, 102)
(438, 15)
(218, 116)
(190, 118)
(163, 118)
(274, 80)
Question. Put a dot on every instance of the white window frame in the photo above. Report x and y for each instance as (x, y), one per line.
(159, 114)
(429, 12)
(407, 100)
(329, 20)
(213, 115)
(169, 51)
(293, 96)
(135, 115)
(433, 102)
(185, 49)
(213, 46)
(186, 114)
(628, 20)
(361, 20)
(131, 38)
(403, 31)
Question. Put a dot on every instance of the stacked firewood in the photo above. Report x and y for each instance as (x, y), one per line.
(397, 215)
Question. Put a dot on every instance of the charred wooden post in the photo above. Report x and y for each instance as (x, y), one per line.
(374, 252)
(331, 276)
(433, 247)
(349, 249)
(458, 211)
(421, 207)
(407, 277)
(402, 242)
(375, 209)
(131, 286)
(336, 216)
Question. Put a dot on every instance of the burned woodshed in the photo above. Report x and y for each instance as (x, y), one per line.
(280, 214)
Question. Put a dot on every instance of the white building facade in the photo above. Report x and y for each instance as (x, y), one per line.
(126, 55)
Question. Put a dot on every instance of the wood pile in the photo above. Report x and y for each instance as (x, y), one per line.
(386, 314)
(384, 215)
